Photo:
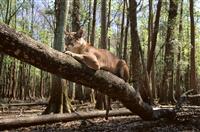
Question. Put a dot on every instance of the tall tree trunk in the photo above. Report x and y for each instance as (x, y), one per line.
(178, 75)
(21, 80)
(108, 22)
(122, 31)
(103, 24)
(41, 84)
(152, 40)
(126, 34)
(168, 75)
(76, 16)
(136, 68)
(151, 55)
(192, 52)
(14, 80)
(57, 103)
(150, 24)
(75, 28)
(89, 23)
(92, 39)
(125, 54)
(136, 65)
(100, 98)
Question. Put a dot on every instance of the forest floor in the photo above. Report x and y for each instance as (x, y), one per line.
(187, 120)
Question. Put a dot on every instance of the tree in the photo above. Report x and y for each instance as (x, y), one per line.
(122, 30)
(101, 100)
(92, 38)
(135, 55)
(178, 75)
(76, 15)
(9, 14)
(192, 52)
(136, 64)
(59, 101)
(168, 75)
(152, 40)
(103, 43)
(46, 58)
(89, 21)
(125, 54)
(79, 93)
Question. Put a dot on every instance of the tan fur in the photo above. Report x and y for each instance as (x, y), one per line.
(95, 58)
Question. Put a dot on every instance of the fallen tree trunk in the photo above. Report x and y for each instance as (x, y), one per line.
(7, 106)
(6, 124)
(24, 104)
(40, 55)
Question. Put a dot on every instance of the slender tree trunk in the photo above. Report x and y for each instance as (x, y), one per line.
(14, 84)
(136, 65)
(58, 100)
(76, 16)
(103, 24)
(122, 31)
(178, 75)
(108, 23)
(125, 55)
(138, 80)
(41, 84)
(152, 40)
(92, 39)
(100, 98)
(150, 60)
(168, 75)
(89, 23)
(150, 24)
(192, 52)
(75, 28)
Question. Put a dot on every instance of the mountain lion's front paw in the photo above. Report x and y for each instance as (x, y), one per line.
(69, 53)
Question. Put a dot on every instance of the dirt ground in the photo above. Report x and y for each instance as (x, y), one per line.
(188, 119)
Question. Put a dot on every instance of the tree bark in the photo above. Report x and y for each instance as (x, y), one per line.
(136, 64)
(154, 38)
(48, 59)
(125, 54)
(168, 75)
(122, 31)
(103, 44)
(192, 52)
(92, 38)
(100, 98)
(178, 71)
(142, 84)
(76, 15)
(58, 100)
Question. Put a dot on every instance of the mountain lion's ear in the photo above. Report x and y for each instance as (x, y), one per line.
(79, 33)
